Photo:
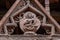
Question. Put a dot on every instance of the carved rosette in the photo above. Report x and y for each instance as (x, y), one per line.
(29, 22)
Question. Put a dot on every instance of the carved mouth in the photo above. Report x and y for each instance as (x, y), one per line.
(30, 28)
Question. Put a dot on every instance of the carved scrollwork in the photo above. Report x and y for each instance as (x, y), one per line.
(27, 17)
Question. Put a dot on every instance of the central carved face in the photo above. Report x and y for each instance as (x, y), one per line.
(29, 22)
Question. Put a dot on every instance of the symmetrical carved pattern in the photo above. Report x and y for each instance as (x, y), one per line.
(29, 18)
(28, 21)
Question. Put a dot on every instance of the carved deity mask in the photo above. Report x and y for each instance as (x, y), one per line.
(29, 22)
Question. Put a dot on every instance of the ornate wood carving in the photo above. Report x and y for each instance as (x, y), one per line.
(29, 18)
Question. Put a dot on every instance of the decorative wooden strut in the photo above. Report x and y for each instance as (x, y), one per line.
(17, 14)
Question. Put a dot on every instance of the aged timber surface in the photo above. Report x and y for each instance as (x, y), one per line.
(22, 37)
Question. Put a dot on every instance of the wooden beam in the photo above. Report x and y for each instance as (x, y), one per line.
(49, 16)
(6, 16)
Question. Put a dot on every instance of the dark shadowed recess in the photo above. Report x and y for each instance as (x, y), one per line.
(4, 6)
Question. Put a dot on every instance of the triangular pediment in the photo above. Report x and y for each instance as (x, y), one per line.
(16, 13)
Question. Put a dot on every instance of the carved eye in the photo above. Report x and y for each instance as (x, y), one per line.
(27, 22)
